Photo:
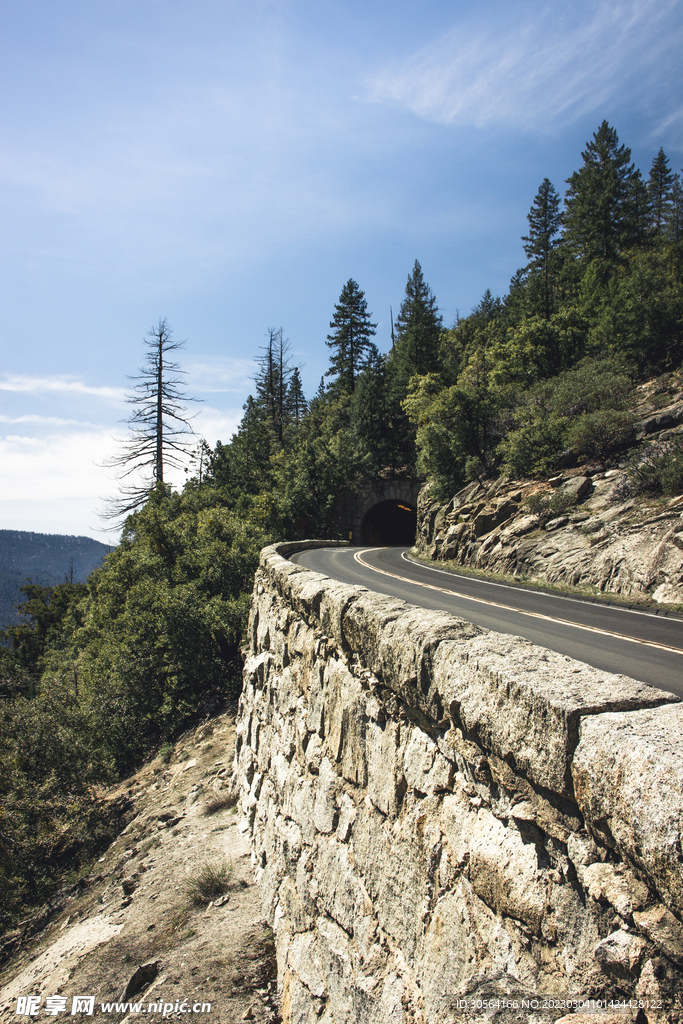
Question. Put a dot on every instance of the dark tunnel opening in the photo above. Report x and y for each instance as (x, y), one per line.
(390, 522)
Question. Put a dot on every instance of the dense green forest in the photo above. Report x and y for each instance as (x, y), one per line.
(98, 674)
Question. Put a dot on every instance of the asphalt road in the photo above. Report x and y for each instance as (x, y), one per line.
(638, 644)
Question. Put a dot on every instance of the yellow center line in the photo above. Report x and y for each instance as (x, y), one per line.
(511, 608)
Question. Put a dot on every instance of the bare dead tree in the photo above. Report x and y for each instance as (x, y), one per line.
(160, 429)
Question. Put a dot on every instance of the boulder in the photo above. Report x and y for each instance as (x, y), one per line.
(576, 487)
(628, 780)
(620, 954)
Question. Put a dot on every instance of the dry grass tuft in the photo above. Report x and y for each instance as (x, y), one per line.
(209, 882)
(219, 802)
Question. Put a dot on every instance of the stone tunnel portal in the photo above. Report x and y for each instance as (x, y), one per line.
(389, 522)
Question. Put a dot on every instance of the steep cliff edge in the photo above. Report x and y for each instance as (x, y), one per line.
(441, 815)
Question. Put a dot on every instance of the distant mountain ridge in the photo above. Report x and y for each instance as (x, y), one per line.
(44, 558)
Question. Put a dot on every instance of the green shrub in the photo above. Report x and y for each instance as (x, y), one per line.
(51, 820)
(594, 384)
(102, 674)
(548, 506)
(166, 752)
(581, 409)
(657, 468)
(595, 435)
(672, 472)
(532, 449)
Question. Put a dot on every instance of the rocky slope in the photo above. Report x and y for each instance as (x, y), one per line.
(130, 931)
(604, 541)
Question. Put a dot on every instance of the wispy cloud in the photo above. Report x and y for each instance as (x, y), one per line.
(67, 466)
(44, 421)
(221, 373)
(58, 384)
(537, 68)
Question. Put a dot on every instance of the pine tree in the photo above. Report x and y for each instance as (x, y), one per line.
(370, 416)
(487, 309)
(596, 217)
(350, 338)
(296, 404)
(659, 186)
(545, 219)
(637, 216)
(272, 379)
(250, 450)
(200, 459)
(418, 328)
(674, 227)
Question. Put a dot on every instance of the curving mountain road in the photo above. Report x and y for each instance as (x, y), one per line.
(638, 644)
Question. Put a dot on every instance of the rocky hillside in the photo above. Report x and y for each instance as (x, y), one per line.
(168, 922)
(589, 527)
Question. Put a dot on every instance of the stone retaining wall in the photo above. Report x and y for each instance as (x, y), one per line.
(441, 813)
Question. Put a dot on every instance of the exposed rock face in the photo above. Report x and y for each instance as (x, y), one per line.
(620, 548)
(440, 814)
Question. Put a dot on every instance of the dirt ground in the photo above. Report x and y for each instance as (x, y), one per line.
(137, 908)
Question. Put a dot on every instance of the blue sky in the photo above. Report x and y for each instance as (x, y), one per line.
(229, 165)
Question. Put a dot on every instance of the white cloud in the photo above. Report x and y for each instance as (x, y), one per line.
(58, 384)
(215, 425)
(56, 483)
(55, 467)
(536, 70)
(71, 516)
(44, 421)
(221, 373)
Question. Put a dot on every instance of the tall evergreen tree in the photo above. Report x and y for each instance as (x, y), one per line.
(486, 309)
(674, 228)
(637, 216)
(659, 186)
(418, 328)
(350, 338)
(368, 407)
(297, 406)
(378, 421)
(545, 219)
(250, 451)
(596, 211)
(272, 379)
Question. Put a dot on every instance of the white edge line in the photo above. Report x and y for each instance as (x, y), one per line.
(531, 590)
(518, 611)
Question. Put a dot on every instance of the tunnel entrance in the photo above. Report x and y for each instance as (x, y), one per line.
(390, 522)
